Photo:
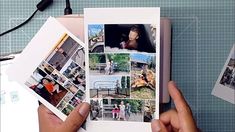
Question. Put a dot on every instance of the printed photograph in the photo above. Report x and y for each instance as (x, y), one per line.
(228, 78)
(109, 64)
(149, 110)
(74, 73)
(69, 86)
(109, 87)
(46, 67)
(76, 100)
(68, 96)
(123, 110)
(130, 37)
(80, 95)
(96, 109)
(58, 77)
(96, 38)
(67, 109)
(79, 58)
(46, 87)
(63, 52)
(61, 105)
(143, 85)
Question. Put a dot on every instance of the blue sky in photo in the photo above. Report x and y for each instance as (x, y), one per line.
(96, 81)
(140, 57)
(94, 29)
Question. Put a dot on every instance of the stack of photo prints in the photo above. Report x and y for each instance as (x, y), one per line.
(122, 68)
(60, 78)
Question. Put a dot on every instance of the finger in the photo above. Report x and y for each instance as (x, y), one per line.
(76, 117)
(184, 112)
(170, 118)
(158, 126)
(46, 115)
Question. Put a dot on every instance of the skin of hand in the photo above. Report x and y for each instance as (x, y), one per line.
(49, 122)
(179, 119)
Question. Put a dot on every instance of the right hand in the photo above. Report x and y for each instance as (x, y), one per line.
(175, 120)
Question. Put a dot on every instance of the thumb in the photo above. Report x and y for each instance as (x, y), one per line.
(158, 126)
(77, 117)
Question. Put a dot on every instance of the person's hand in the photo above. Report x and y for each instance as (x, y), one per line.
(175, 120)
(49, 122)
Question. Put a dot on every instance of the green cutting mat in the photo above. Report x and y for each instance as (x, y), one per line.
(203, 34)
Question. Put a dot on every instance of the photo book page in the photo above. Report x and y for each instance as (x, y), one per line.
(52, 68)
(123, 67)
(225, 85)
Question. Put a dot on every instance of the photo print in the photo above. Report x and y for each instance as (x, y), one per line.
(60, 78)
(228, 78)
(66, 47)
(109, 87)
(130, 38)
(74, 73)
(119, 110)
(143, 69)
(109, 64)
(225, 84)
(149, 110)
(96, 38)
(45, 86)
(96, 112)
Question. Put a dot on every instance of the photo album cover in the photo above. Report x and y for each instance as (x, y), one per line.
(116, 70)
(123, 68)
(225, 85)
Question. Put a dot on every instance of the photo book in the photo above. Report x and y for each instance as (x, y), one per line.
(116, 69)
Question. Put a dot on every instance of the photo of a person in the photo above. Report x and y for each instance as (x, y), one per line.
(109, 64)
(133, 36)
(149, 109)
(50, 85)
(46, 67)
(45, 86)
(122, 110)
(127, 111)
(130, 38)
(143, 76)
(65, 49)
(115, 111)
(96, 109)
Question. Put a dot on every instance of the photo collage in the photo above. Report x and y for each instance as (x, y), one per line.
(228, 77)
(60, 78)
(122, 72)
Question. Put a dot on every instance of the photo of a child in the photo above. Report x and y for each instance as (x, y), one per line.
(130, 38)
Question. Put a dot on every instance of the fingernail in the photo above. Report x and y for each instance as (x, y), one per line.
(84, 109)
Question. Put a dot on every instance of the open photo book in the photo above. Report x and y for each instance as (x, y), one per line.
(116, 70)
